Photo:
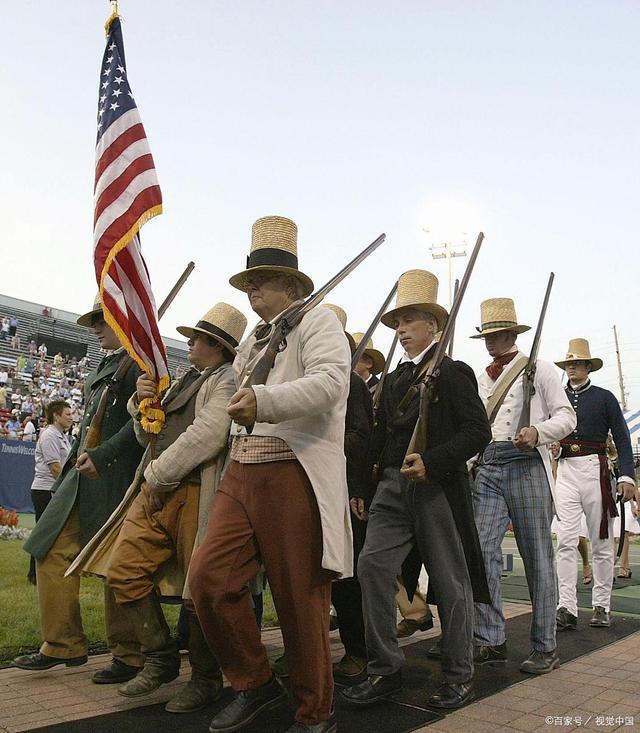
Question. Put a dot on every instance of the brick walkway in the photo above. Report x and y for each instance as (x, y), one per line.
(604, 683)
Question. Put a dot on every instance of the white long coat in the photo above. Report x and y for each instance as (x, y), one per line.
(304, 403)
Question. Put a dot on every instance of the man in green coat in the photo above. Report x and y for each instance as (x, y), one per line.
(90, 487)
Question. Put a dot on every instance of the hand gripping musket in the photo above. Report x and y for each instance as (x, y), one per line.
(418, 442)
(529, 374)
(94, 431)
(295, 314)
(374, 324)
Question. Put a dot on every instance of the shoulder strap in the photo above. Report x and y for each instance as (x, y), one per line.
(509, 377)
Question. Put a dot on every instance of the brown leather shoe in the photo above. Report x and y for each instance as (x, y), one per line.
(408, 627)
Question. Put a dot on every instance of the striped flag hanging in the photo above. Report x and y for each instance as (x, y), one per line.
(126, 196)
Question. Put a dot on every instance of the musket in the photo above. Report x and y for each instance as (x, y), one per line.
(292, 317)
(455, 292)
(529, 374)
(374, 324)
(378, 390)
(94, 431)
(418, 442)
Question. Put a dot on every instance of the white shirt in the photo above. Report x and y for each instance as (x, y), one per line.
(415, 359)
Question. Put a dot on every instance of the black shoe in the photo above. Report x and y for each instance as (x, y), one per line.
(115, 673)
(540, 662)
(451, 695)
(600, 617)
(565, 620)
(374, 688)
(38, 661)
(490, 654)
(247, 705)
(327, 726)
(435, 652)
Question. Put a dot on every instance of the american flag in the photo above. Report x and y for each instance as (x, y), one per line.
(126, 196)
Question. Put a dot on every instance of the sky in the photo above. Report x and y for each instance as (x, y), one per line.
(429, 121)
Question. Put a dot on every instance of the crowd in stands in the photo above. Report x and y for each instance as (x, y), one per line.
(33, 381)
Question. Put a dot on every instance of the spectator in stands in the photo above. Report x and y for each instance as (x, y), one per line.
(4, 376)
(16, 399)
(30, 365)
(27, 405)
(32, 348)
(29, 432)
(20, 363)
(57, 360)
(51, 453)
(3, 397)
(13, 426)
(4, 328)
(13, 332)
(42, 351)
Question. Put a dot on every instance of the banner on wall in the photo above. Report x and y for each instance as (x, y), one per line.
(17, 466)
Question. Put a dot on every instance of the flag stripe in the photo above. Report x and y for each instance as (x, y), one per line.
(115, 150)
(120, 185)
(116, 168)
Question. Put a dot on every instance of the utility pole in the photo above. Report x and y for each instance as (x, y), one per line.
(448, 251)
(623, 395)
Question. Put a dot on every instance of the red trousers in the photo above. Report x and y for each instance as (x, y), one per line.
(267, 513)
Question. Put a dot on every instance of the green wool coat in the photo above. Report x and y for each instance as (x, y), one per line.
(115, 459)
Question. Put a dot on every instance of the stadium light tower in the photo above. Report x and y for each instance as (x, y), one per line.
(448, 250)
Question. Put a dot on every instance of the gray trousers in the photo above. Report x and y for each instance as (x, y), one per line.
(513, 485)
(402, 514)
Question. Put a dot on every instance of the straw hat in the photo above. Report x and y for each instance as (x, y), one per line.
(86, 319)
(342, 317)
(274, 248)
(417, 289)
(377, 358)
(579, 351)
(223, 322)
(498, 314)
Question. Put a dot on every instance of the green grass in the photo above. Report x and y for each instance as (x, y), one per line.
(19, 612)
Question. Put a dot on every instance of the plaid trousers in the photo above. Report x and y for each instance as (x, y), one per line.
(512, 485)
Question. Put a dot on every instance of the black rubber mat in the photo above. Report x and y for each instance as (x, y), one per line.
(406, 712)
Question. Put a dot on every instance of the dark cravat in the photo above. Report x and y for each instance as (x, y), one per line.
(495, 369)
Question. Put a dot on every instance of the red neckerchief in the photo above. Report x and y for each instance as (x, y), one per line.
(494, 370)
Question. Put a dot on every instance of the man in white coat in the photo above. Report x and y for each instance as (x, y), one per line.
(513, 485)
(283, 500)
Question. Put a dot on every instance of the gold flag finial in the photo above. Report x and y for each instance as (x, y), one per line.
(112, 17)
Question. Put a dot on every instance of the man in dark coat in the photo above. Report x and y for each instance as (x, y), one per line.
(90, 487)
(423, 500)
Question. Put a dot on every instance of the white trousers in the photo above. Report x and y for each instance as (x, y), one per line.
(578, 491)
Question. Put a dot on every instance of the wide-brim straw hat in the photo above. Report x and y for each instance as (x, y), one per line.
(375, 356)
(274, 248)
(342, 317)
(417, 289)
(87, 319)
(579, 351)
(223, 322)
(498, 314)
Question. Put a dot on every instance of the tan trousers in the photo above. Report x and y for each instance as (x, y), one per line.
(149, 539)
(59, 599)
(414, 610)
